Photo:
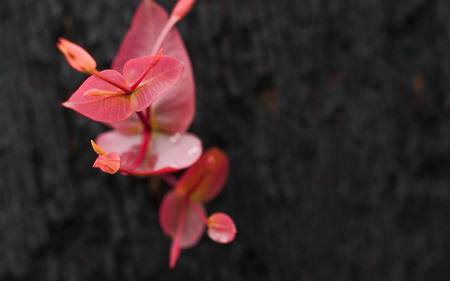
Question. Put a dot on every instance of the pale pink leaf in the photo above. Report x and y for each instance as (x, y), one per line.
(156, 83)
(175, 251)
(101, 108)
(130, 126)
(166, 153)
(182, 219)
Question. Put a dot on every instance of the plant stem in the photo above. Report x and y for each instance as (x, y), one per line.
(145, 140)
(142, 150)
(144, 120)
(170, 180)
(175, 248)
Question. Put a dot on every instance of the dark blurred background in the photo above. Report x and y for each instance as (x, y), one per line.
(335, 115)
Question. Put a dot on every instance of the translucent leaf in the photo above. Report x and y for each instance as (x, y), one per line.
(156, 83)
(221, 228)
(166, 153)
(100, 100)
(182, 219)
(174, 112)
(130, 126)
(206, 178)
(101, 108)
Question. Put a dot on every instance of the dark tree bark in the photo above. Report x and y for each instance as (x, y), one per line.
(334, 114)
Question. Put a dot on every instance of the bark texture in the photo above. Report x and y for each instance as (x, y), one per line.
(335, 115)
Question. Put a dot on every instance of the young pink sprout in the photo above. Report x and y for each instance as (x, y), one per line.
(107, 162)
(155, 141)
(148, 99)
(182, 215)
(76, 56)
(148, 33)
(182, 8)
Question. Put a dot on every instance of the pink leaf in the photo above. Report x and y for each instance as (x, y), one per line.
(156, 83)
(206, 178)
(166, 153)
(99, 99)
(182, 219)
(173, 112)
(101, 108)
(221, 228)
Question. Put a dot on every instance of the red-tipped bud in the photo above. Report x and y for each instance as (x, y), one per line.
(76, 56)
(107, 162)
(221, 228)
(182, 8)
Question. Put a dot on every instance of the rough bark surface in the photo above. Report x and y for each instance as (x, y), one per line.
(335, 115)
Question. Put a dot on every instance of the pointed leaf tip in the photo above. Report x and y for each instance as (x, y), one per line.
(182, 8)
(97, 148)
(76, 56)
(221, 228)
(175, 251)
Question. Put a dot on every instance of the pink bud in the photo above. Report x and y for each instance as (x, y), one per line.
(108, 163)
(182, 8)
(76, 56)
(221, 228)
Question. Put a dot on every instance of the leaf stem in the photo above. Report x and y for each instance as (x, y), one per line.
(142, 150)
(145, 140)
(175, 248)
(144, 120)
(165, 31)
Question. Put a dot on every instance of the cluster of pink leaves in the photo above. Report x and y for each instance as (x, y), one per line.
(148, 100)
